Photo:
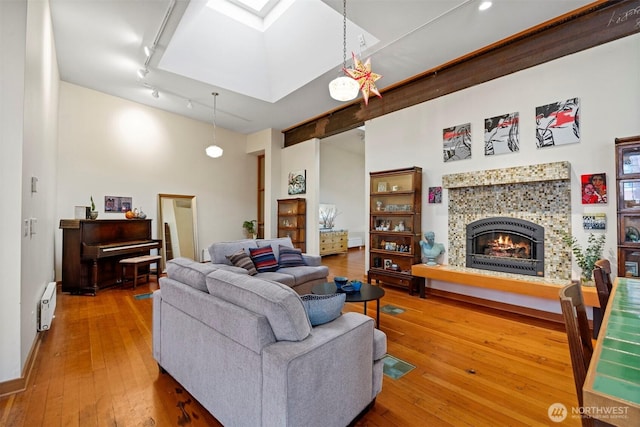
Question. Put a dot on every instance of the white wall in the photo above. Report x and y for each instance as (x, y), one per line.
(28, 104)
(342, 183)
(112, 147)
(304, 156)
(605, 79)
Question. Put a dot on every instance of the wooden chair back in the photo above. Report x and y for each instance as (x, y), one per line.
(602, 277)
(578, 333)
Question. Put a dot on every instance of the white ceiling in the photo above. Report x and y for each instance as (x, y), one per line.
(272, 72)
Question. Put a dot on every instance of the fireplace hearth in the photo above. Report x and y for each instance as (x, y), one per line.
(508, 245)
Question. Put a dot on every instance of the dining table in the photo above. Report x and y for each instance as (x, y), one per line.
(611, 391)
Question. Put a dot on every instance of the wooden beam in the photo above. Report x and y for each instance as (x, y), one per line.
(596, 24)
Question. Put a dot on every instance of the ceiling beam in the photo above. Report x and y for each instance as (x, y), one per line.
(593, 25)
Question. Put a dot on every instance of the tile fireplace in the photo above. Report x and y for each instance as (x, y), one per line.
(532, 194)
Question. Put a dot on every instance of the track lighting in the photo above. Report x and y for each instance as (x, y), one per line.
(142, 72)
(189, 104)
(148, 51)
(155, 93)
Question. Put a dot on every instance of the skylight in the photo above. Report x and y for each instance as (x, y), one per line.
(257, 14)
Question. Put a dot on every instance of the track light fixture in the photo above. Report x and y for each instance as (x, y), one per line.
(155, 93)
(142, 72)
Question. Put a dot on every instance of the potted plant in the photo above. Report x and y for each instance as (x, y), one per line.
(586, 258)
(94, 213)
(250, 228)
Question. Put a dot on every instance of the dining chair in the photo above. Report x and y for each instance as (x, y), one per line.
(602, 278)
(578, 336)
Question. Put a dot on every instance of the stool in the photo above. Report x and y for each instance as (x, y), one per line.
(144, 260)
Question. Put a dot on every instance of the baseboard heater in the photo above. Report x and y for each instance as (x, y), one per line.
(47, 309)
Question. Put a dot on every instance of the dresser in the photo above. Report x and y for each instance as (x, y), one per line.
(333, 242)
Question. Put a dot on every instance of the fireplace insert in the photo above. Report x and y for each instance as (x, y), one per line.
(508, 245)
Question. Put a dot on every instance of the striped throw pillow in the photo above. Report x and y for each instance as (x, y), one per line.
(264, 259)
(290, 257)
(241, 259)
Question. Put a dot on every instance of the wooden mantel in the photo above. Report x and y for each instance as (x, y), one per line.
(534, 287)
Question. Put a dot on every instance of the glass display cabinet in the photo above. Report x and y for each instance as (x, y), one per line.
(395, 202)
(628, 204)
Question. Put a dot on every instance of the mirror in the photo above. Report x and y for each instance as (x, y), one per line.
(177, 226)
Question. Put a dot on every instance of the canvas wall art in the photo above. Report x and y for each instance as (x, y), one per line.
(594, 188)
(594, 221)
(297, 183)
(456, 142)
(558, 123)
(501, 134)
(435, 194)
(117, 204)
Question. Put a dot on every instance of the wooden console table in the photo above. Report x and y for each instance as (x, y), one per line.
(522, 286)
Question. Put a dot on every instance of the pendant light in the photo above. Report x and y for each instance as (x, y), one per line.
(213, 150)
(344, 88)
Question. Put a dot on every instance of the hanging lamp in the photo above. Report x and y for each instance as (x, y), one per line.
(214, 150)
(344, 88)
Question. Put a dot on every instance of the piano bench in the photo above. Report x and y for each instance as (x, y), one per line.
(144, 260)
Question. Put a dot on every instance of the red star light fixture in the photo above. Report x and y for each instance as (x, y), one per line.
(365, 77)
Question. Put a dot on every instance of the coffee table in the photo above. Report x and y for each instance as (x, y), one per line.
(366, 293)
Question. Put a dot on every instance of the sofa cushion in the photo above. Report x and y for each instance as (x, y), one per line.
(280, 304)
(219, 250)
(278, 276)
(323, 308)
(264, 259)
(190, 272)
(306, 273)
(243, 260)
(290, 257)
(275, 244)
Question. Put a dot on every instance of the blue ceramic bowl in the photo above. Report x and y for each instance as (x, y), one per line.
(356, 285)
(340, 281)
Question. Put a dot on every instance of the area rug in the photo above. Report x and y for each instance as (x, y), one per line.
(394, 367)
(391, 309)
(143, 296)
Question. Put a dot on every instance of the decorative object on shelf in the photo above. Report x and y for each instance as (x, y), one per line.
(586, 259)
(456, 142)
(344, 87)
(366, 78)
(93, 214)
(558, 123)
(214, 150)
(250, 228)
(378, 205)
(430, 249)
(297, 182)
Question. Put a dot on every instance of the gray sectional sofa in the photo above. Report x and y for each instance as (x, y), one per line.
(243, 346)
(300, 278)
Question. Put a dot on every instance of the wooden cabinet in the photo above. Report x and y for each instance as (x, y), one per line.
(628, 203)
(292, 221)
(395, 226)
(333, 242)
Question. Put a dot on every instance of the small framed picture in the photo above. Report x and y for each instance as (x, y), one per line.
(382, 187)
(388, 263)
(630, 268)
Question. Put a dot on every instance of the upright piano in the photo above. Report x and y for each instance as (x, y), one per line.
(92, 250)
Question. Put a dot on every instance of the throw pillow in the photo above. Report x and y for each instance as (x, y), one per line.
(290, 257)
(264, 259)
(323, 308)
(241, 259)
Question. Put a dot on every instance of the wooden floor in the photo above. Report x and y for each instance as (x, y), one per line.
(473, 366)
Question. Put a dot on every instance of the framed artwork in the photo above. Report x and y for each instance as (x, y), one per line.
(117, 204)
(297, 183)
(593, 188)
(501, 134)
(594, 221)
(435, 194)
(558, 123)
(388, 263)
(382, 187)
(456, 142)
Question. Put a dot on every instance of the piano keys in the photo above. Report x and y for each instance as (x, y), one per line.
(92, 250)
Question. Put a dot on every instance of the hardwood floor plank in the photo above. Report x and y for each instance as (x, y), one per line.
(474, 366)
